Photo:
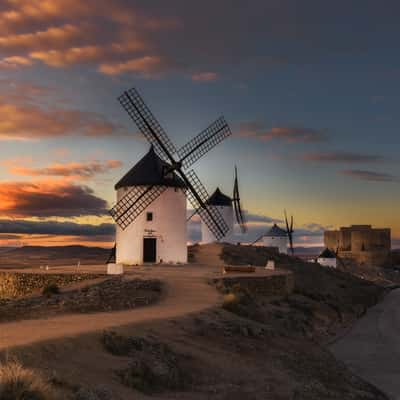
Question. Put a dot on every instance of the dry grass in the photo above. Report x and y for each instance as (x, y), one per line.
(19, 383)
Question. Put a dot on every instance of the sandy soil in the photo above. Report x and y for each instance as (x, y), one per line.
(186, 291)
(372, 347)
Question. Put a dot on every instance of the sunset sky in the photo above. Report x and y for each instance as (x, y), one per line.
(309, 88)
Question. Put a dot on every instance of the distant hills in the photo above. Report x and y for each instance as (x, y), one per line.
(34, 256)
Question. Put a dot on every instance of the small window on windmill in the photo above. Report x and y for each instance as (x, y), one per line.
(168, 173)
(149, 216)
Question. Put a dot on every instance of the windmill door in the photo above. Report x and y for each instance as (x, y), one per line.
(149, 250)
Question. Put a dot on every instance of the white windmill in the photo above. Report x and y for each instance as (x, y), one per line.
(150, 212)
(230, 208)
(278, 237)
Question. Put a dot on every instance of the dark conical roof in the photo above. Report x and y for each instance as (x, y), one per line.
(327, 254)
(276, 231)
(149, 171)
(219, 199)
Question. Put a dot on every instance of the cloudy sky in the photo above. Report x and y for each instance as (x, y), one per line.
(310, 90)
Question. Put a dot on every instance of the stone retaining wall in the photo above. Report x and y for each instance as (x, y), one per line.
(16, 284)
(272, 285)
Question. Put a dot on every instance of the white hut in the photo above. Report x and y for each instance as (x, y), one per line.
(327, 258)
(158, 234)
(276, 237)
(223, 204)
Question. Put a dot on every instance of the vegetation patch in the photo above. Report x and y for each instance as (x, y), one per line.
(111, 294)
(50, 289)
(153, 366)
(19, 383)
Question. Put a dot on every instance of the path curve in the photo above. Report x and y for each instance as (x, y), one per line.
(372, 347)
(184, 295)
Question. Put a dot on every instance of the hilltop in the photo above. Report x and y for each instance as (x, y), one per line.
(202, 339)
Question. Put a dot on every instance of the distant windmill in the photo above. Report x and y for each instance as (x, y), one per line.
(229, 207)
(289, 231)
(168, 167)
(278, 237)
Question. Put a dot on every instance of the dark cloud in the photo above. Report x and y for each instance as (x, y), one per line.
(342, 157)
(280, 133)
(49, 199)
(371, 176)
(83, 170)
(8, 226)
(154, 37)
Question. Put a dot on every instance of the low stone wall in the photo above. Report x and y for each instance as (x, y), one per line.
(16, 284)
(272, 285)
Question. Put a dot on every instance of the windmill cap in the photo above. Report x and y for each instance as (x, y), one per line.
(276, 231)
(150, 170)
(219, 199)
(327, 254)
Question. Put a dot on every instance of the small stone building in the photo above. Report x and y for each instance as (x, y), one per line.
(327, 259)
(361, 243)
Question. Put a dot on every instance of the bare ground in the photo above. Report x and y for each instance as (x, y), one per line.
(260, 349)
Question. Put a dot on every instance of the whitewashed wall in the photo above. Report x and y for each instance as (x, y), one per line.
(169, 226)
(327, 262)
(277, 241)
(227, 214)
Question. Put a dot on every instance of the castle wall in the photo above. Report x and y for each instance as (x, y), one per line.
(361, 243)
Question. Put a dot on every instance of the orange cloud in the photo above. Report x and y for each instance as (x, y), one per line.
(27, 121)
(205, 77)
(38, 30)
(147, 65)
(14, 62)
(284, 134)
(49, 199)
(73, 170)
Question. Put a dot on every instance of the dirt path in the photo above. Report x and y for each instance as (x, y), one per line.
(372, 348)
(185, 294)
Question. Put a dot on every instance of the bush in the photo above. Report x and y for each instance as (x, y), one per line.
(19, 383)
(50, 289)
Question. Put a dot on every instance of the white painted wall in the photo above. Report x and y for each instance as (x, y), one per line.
(281, 242)
(227, 214)
(327, 262)
(169, 224)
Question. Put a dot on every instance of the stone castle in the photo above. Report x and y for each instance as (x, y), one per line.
(361, 243)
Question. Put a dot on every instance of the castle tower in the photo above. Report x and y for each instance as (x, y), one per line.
(158, 234)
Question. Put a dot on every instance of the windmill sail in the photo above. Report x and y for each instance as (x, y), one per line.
(237, 205)
(289, 231)
(138, 198)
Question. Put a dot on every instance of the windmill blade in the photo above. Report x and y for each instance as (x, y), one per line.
(289, 230)
(237, 206)
(191, 215)
(204, 142)
(240, 217)
(257, 240)
(134, 203)
(112, 256)
(136, 108)
(198, 196)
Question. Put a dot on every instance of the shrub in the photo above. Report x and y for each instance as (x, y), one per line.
(19, 383)
(50, 289)
(231, 301)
